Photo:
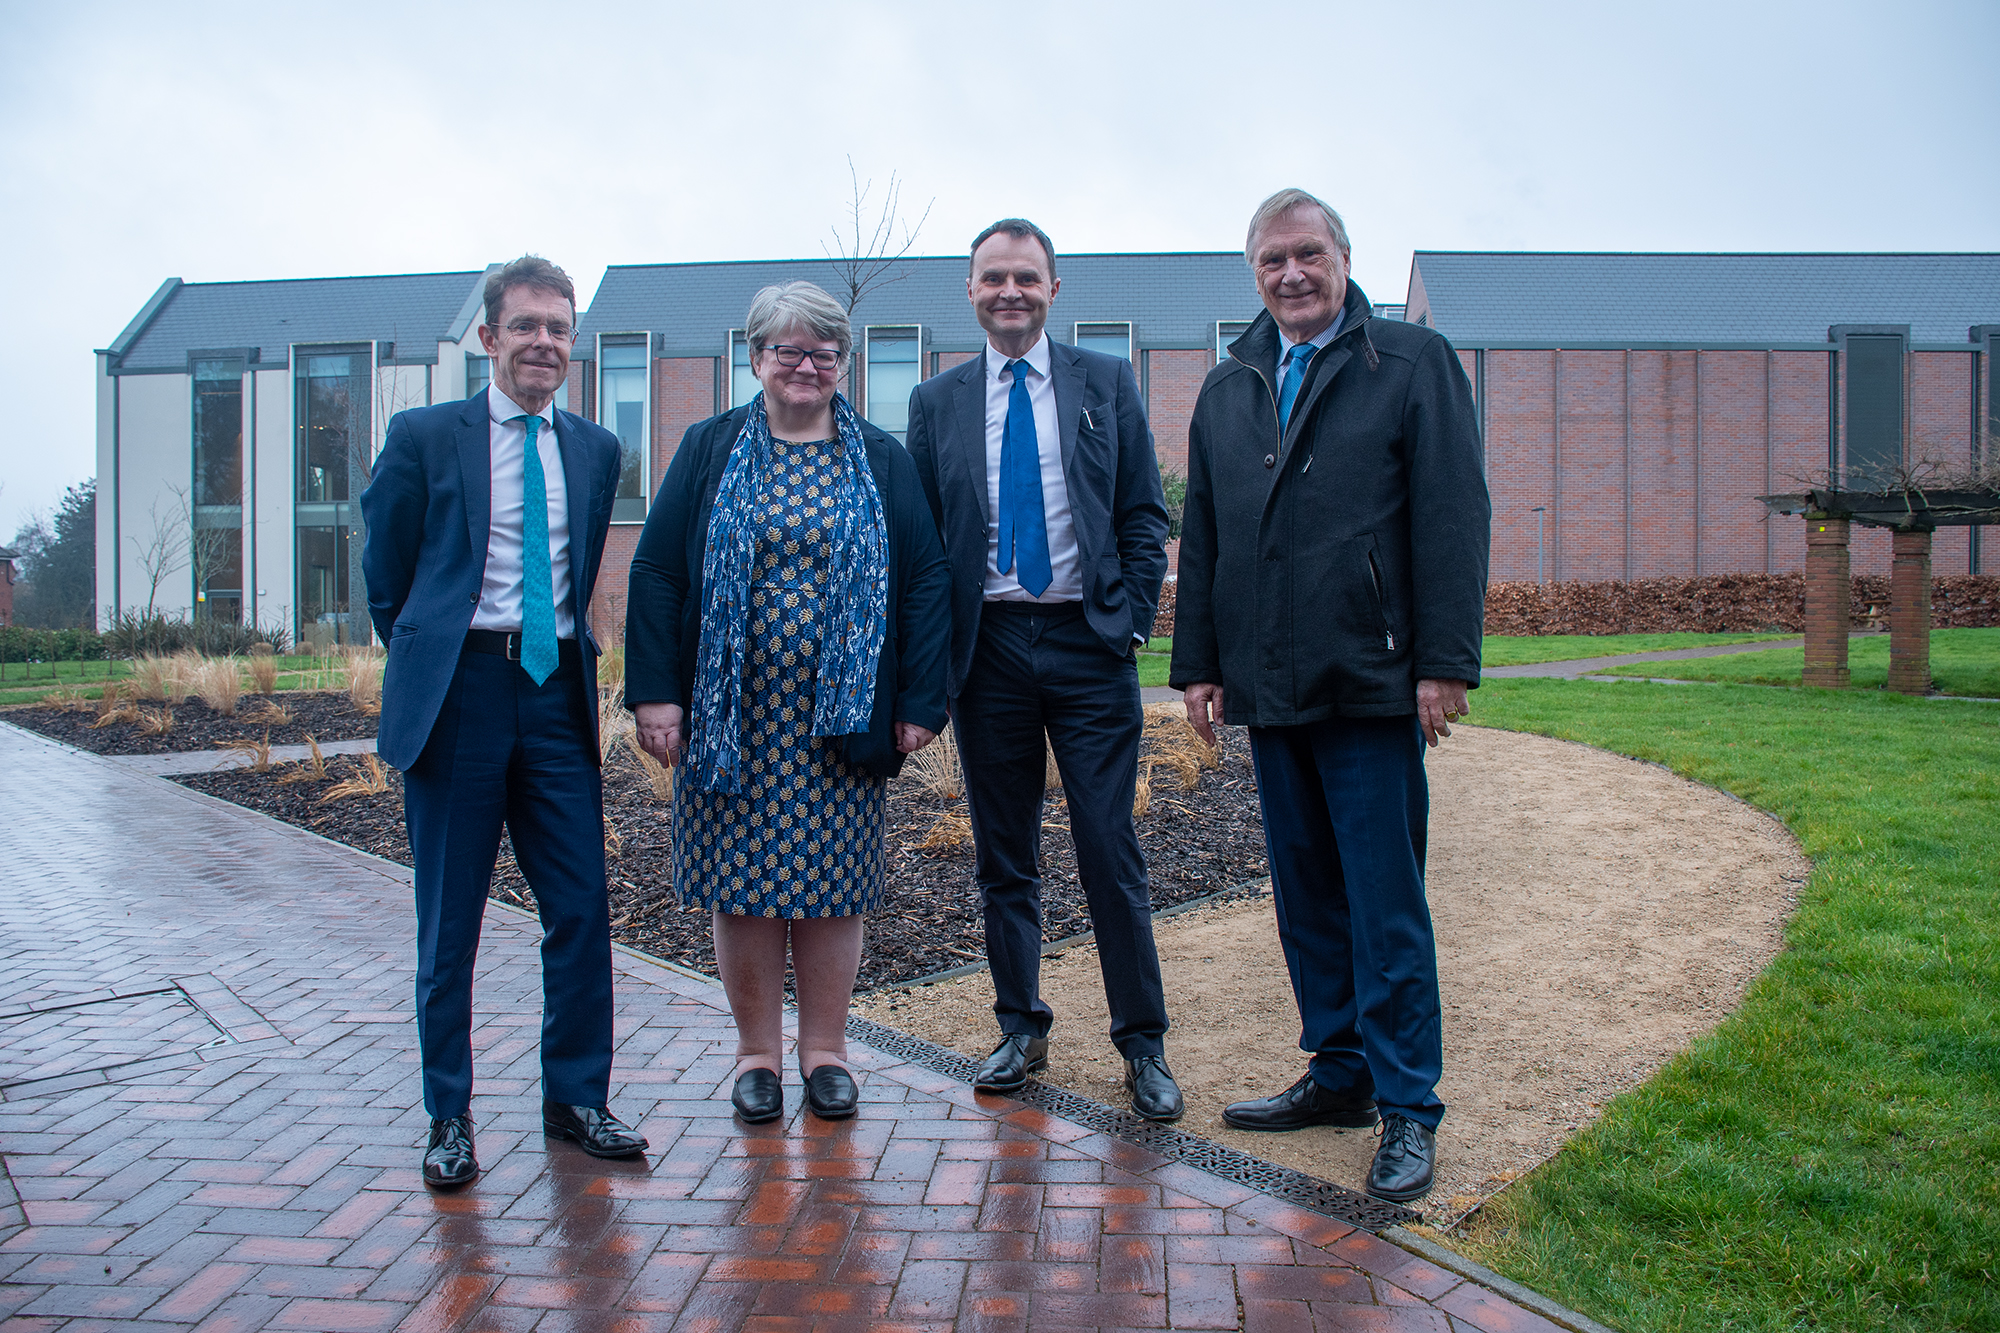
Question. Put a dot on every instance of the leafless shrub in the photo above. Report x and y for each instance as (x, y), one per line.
(269, 714)
(258, 752)
(953, 829)
(362, 671)
(263, 670)
(307, 770)
(219, 683)
(372, 780)
(155, 721)
(935, 768)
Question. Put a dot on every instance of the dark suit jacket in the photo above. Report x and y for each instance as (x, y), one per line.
(1115, 500)
(663, 610)
(427, 511)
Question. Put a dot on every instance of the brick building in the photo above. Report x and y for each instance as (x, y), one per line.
(1642, 401)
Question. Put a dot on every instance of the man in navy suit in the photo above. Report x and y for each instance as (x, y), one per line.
(1039, 466)
(486, 520)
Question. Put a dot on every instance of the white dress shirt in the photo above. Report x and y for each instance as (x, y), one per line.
(1318, 340)
(1066, 585)
(500, 593)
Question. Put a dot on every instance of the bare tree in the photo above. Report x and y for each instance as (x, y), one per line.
(160, 554)
(866, 255)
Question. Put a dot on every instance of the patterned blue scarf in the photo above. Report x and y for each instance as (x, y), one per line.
(854, 603)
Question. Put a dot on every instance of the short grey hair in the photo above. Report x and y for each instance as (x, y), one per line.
(805, 305)
(1283, 202)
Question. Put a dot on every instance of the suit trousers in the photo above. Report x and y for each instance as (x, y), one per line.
(1346, 816)
(1040, 669)
(505, 751)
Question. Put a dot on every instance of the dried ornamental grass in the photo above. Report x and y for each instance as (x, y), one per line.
(110, 701)
(257, 751)
(362, 671)
(953, 829)
(269, 714)
(184, 670)
(372, 780)
(155, 721)
(219, 683)
(936, 769)
(263, 670)
(151, 676)
(656, 772)
(307, 770)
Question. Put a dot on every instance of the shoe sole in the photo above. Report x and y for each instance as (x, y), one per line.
(1034, 1067)
(556, 1133)
(757, 1119)
(1339, 1120)
(1160, 1119)
(1402, 1196)
(453, 1184)
(846, 1114)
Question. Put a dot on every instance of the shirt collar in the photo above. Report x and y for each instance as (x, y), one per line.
(1318, 340)
(502, 408)
(1037, 358)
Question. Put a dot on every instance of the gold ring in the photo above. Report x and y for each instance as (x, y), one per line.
(1451, 717)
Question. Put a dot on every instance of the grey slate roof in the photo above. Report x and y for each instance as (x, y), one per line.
(1500, 299)
(413, 309)
(1172, 300)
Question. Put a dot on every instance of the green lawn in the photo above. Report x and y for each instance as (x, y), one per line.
(1963, 661)
(1829, 1157)
(27, 683)
(1502, 650)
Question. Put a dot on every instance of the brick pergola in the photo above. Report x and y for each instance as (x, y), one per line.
(1911, 515)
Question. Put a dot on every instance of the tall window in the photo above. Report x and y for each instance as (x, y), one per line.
(1111, 339)
(892, 374)
(1228, 331)
(743, 385)
(1874, 409)
(621, 409)
(215, 544)
(478, 374)
(332, 460)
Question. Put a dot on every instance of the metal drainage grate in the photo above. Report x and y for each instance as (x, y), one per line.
(1219, 1160)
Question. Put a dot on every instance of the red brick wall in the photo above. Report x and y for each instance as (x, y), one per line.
(683, 393)
(1173, 381)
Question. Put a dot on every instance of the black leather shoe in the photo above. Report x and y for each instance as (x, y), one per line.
(1017, 1056)
(448, 1160)
(1304, 1103)
(758, 1096)
(830, 1092)
(1155, 1095)
(1403, 1161)
(593, 1129)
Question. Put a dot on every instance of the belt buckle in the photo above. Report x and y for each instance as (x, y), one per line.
(513, 646)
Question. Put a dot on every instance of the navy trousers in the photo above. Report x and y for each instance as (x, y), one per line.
(506, 751)
(1346, 815)
(1041, 669)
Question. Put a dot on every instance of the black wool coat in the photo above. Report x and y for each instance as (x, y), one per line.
(663, 613)
(1324, 572)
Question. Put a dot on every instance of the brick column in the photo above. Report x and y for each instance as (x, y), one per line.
(1828, 589)
(1910, 613)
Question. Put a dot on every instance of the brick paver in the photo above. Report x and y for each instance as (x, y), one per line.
(211, 1117)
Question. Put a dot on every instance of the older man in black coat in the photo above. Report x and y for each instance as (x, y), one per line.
(1331, 598)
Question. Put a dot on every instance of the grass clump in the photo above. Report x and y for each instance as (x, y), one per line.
(1829, 1157)
(1963, 661)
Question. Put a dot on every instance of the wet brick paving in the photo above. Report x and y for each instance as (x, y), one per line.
(211, 1122)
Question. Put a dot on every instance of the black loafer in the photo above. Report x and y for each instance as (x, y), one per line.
(830, 1092)
(1017, 1056)
(448, 1159)
(758, 1096)
(1404, 1161)
(1304, 1103)
(593, 1129)
(1155, 1095)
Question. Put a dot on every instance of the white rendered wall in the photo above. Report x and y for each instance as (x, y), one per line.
(107, 474)
(272, 503)
(156, 471)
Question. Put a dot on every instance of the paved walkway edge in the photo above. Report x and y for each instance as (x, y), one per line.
(1446, 1258)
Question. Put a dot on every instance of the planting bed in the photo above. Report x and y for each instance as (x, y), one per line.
(1197, 843)
(322, 715)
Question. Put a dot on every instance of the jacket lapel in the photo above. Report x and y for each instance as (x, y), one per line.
(475, 463)
(1067, 372)
(580, 499)
(969, 398)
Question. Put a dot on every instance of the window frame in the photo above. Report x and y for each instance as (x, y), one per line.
(626, 508)
(1101, 328)
(1222, 341)
(906, 333)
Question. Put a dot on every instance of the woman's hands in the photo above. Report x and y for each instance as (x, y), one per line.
(911, 738)
(661, 731)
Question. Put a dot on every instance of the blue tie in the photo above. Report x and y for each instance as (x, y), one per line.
(1024, 524)
(538, 598)
(1295, 373)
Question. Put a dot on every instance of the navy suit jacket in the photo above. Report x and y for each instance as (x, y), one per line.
(1115, 500)
(428, 508)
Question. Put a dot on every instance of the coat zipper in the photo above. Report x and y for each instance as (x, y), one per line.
(1381, 603)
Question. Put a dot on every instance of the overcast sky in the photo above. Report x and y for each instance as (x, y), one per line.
(221, 142)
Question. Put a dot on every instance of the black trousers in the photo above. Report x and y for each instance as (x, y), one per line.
(1041, 670)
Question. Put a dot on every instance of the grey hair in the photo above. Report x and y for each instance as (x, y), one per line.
(1283, 202)
(804, 304)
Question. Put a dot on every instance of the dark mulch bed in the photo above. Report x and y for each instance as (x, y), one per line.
(321, 714)
(1197, 843)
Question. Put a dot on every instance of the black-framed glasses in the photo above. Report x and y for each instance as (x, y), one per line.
(824, 358)
(527, 329)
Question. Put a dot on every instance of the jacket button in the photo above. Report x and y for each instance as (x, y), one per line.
(1270, 460)
(475, 599)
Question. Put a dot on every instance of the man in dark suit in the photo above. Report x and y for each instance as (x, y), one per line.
(486, 519)
(1039, 466)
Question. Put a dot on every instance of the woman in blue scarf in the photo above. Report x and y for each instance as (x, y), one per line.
(785, 648)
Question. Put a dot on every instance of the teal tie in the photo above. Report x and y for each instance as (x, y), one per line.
(1295, 373)
(538, 598)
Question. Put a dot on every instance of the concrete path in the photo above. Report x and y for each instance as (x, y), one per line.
(209, 1109)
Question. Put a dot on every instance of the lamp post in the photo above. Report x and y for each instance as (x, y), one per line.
(1540, 512)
